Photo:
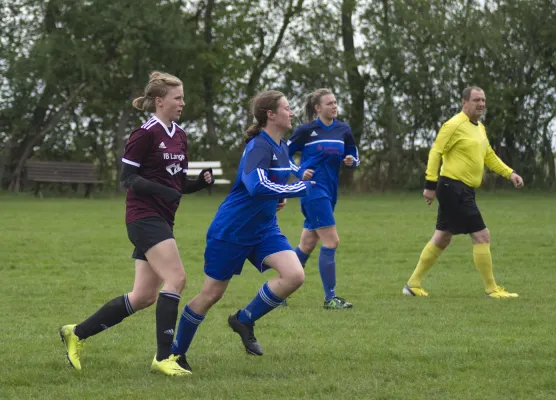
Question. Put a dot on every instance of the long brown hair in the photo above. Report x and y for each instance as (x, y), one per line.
(158, 86)
(313, 99)
(258, 107)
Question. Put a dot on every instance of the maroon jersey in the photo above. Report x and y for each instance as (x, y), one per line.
(161, 155)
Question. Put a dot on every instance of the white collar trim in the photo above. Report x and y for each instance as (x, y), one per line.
(168, 132)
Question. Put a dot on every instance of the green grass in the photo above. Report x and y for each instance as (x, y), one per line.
(60, 259)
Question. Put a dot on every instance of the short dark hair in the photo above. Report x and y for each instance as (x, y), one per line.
(466, 94)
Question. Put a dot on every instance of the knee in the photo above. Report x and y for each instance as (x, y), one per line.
(177, 282)
(211, 297)
(442, 240)
(296, 278)
(481, 237)
(332, 243)
(308, 245)
(180, 282)
(307, 248)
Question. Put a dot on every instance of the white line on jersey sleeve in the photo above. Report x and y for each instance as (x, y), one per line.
(149, 123)
(324, 141)
(294, 188)
(125, 160)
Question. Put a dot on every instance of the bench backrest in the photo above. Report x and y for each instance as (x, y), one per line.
(61, 171)
(74, 172)
(195, 168)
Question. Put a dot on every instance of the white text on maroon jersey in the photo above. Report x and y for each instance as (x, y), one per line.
(170, 156)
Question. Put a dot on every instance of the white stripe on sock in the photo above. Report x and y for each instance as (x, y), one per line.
(171, 295)
(267, 299)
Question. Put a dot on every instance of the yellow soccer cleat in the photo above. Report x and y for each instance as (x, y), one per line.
(501, 293)
(73, 345)
(414, 291)
(169, 366)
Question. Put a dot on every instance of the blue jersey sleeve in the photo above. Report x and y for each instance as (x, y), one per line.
(350, 149)
(255, 177)
(296, 143)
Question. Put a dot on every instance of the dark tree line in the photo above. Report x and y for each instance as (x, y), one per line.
(69, 70)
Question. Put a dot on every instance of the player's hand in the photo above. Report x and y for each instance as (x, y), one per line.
(311, 183)
(207, 176)
(281, 204)
(307, 174)
(429, 196)
(516, 180)
(349, 161)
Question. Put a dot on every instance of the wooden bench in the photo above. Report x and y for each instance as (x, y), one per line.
(62, 172)
(195, 167)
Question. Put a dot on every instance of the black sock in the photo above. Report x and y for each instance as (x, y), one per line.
(108, 315)
(166, 316)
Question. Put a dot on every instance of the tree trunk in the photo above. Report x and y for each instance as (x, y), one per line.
(4, 160)
(119, 141)
(389, 113)
(356, 82)
(208, 85)
(549, 155)
(41, 131)
(392, 141)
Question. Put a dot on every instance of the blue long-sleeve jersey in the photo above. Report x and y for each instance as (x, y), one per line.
(323, 149)
(248, 214)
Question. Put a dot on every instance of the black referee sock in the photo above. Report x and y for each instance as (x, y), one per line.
(108, 315)
(166, 316)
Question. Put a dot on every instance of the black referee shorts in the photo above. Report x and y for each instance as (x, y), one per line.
(146, 232)
(457, 210)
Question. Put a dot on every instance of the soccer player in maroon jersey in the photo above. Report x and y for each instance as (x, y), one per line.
(154, 166)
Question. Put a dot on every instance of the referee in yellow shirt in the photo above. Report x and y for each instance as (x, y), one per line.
(463, 147)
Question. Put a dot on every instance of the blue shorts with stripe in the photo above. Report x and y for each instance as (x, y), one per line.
(318, 213)
(225, 259)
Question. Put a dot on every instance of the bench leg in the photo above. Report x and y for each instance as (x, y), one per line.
(37, 189)
(88, 190)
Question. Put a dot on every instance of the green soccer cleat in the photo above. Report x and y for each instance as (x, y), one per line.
(169, 366)
(337, 303)
(73, 345)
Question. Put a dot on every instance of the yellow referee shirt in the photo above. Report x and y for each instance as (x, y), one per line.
(464, 150)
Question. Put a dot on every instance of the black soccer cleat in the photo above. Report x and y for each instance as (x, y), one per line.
(247, 335)
(182, 362)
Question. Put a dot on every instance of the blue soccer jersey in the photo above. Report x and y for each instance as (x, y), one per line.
(248, 214)
(323, 149)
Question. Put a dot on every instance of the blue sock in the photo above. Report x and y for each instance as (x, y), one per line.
(327, 268)
(264, 302)
(302, 256)
(189, 322)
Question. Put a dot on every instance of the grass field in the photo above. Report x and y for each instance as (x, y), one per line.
(60, 259)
